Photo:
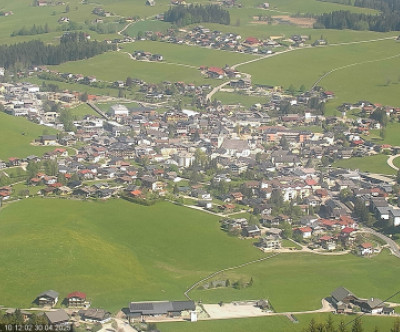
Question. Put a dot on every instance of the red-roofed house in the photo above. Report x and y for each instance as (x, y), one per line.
(252, 41)
(215, 72)
(365, 249)
(328, 242)
(76, 299)
(305, 232)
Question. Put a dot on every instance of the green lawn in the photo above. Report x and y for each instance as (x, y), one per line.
(392, 136)
(149, 25)
(298, 281)
(273, 324)
(114, 251)
(81, 110)
(372, 164)
(305, 66)
(19, 133)
(189, 55)
(230, 98)
(113, 66)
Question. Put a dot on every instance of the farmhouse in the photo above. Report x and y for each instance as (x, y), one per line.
(76, 299)
(143, 310)
(47, 298)
(95, 315)
(58, 317)
(48, 139)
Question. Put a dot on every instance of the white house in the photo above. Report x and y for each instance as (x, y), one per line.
(365, 249)
(119, 110)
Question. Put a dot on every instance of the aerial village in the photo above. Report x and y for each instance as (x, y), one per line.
(228, 160)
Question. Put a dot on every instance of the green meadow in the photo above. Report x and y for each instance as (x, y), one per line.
(149, 25)
(113, 66)
(188, 55)
(358, 74)
(274, 324)
(230, 98)
(17, 134)
(298, 281)
(373, 164)
(391, 136)
(115, 251)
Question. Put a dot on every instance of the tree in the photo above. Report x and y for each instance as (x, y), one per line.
(329, 325)
(291, 89)
(284, 142)
(67, 121)
(396, 326)
(67, 9)
(32, 169)
(345, 194)
(176, 189)
(84, 97)
(129, 81)
(357, 325)
(342, 327)
(286, 230)
(312, 327)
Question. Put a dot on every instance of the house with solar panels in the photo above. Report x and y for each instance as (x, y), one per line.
(145, 310)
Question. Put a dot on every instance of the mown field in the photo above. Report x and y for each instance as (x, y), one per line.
(113, 66)
(372, 164)
(228, 98)
(117, 251)
(189, 55)
(298, 281)
(274, 324)
(391, 136)
(17, 134)
(306, 66)
(114, 251)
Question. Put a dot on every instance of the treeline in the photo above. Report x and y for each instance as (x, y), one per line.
(346, 20)
(34, 30)
(385, 6)
(73, 46)
(185, 15)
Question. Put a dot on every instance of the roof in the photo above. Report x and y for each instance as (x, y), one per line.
(347, 230)
(97, 314)
(58, 316)
(79, 295)
(50, 293)
(339, 294)
(366, 245)
(162, 307)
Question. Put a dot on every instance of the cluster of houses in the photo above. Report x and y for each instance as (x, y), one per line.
(345, 301)
(142, 55)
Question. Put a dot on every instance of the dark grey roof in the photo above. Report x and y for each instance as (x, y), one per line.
(159, 308)
(341, 293)
(56, 317)
(50, 293)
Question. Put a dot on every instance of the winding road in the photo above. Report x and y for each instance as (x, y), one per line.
(390, 161)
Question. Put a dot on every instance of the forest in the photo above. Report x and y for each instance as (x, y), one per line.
(73, 46)
(185, 15)
(389, 21)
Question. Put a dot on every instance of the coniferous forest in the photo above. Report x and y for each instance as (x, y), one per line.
(72, 46)
(384, 22)
(185, 15)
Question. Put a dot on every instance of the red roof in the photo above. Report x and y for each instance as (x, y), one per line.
(311, 182)
(347, 230)
(136, 192)
(79, 295)
(252, 40)
(326, 238)
(366, 245)
(216, 70)
(305, 229)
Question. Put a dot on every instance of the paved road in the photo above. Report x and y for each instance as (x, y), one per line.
(394, 248)
(390, 161)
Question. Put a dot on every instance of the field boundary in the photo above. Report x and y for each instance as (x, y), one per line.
(224, 270)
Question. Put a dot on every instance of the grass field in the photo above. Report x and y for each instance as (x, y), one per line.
(81, 110)
(273, 324)
(305, 66)
(149, 25)
(114, 251)
(298, 281)
(392, 136)
(228, 98)
(372, 164)
(113, 66)
(189, 55)
(19, 133)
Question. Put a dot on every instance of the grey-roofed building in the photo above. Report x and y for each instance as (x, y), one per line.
(47, 298)
(59, 317)
(342, 295)
(159, 308)
(95, 315)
